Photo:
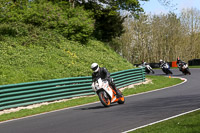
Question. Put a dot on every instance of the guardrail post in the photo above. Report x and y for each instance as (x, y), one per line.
(143, 75)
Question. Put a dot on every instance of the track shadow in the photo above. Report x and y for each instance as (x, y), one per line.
(178, 75)
(97, 107)
(163, 74)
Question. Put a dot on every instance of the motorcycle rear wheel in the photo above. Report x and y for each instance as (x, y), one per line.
(152, 71)
(103, 97)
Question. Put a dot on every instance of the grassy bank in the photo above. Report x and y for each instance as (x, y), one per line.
(157, 82)
(42, 40)
(194, 66)
(68, 59)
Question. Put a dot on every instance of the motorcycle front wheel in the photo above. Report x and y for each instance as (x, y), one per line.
(152, 71)
(170, 72)
(103, 97)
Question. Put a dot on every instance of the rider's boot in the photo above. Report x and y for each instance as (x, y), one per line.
(117, 92)
(115, 89)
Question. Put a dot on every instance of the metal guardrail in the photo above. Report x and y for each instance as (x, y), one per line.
(15, 95)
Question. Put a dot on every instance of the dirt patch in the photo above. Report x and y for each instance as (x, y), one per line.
(147, 81)
(63, 100)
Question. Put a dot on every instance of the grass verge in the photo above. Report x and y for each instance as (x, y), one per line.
(194, 66)
(157, 82)
(189, 123)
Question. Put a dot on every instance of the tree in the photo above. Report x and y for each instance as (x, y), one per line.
(108, 21)
(190, 19)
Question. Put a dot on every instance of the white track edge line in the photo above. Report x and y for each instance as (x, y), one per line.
(185, 80)
(161, 120)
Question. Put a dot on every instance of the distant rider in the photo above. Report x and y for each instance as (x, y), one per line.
(144, 64)
(101, 72)
(182, 65)
(162, 63)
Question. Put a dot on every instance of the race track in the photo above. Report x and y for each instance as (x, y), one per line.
(137, 111)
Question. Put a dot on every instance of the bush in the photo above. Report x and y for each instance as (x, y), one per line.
(13, 29)
(28, 35)
(73, 23)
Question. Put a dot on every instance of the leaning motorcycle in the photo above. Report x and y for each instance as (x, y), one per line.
(106, 94)
(148, 68)
(185, 69)
(166, 68)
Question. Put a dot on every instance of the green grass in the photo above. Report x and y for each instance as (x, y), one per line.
(35, 63)
(157, 82)
(189, 123)
(36, 53)
(194, 66)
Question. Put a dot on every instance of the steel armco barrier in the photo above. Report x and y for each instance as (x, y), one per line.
(15, 95)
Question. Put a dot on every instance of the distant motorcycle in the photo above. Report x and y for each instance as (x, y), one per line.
(148, 68)
(183, 67)
(106, 94)
(166, 68)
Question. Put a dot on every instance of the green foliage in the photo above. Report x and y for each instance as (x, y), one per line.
(108, 24)
(42, 40)
(73, 23)
(79, 26)
(16, 33)
(132, 6)
(13, 29)
(68, 59)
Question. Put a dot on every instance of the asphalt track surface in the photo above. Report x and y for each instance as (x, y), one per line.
(138, 110)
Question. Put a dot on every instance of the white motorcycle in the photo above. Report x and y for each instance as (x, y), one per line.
(148, 68)
(106, 94)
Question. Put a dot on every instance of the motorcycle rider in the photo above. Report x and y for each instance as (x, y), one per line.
(161, 63)
(102, 72)
(144, 63)
(180, 64)
(148, 68)
(165, 67)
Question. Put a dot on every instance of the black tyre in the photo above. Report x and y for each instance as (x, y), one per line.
(170, 72)
(152, 71)
(188, 71)
(147, 71)
(104, 98)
